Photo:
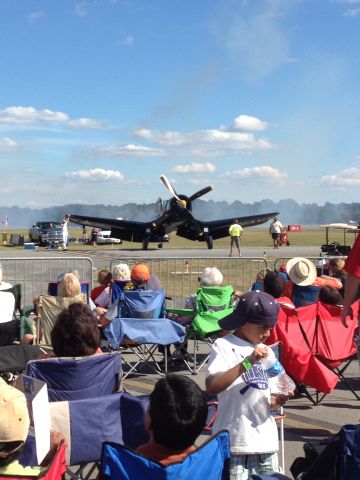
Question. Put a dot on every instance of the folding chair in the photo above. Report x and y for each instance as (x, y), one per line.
(79, 377)
(13, 359)
(211, 461)
(16, 291)
(299, 361)
(89, 422)
(212, 304)
(116, 288)
(48, 309)
(9, 332)
(54, 471)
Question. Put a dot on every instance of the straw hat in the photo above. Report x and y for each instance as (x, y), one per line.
(301, 271)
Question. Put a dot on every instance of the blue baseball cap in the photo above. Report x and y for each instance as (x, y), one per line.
(253, 307)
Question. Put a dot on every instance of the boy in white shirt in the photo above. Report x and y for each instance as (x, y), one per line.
(235, 374)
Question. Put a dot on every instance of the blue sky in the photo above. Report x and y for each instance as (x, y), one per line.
(259, 99)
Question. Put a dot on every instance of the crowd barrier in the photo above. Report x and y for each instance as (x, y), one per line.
(179, 276)
(34, 274)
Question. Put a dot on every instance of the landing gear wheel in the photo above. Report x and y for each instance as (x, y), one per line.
(145, 243)
(209, 242)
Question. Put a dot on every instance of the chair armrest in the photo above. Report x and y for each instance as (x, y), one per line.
(180, 311)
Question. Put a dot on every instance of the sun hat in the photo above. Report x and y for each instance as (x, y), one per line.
(140, 273)
(301, 271)
(14, 415)
(253, 307)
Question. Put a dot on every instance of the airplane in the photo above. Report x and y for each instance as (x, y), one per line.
(175, 216)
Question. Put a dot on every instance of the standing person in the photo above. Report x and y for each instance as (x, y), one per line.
(275, 230)
(84, 233)
(236, 376)
(235, 231)
(94, 235)
(352, 282)
(65, 231)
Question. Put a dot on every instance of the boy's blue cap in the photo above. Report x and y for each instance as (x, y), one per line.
(253, 307)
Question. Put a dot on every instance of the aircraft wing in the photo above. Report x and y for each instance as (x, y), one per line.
(220, 228)
(124, 229)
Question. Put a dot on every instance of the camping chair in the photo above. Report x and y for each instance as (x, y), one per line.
(54, 471)
(13, 359)
(140, 326)
(87, 423)
(78, 377)
(211, 461)
(332, 343)
(339, 460)
(212, 304)
(48, 309)
(9, 332)
(116, 288)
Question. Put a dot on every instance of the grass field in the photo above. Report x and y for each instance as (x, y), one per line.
(252, 237)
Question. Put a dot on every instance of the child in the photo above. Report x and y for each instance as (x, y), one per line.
(235, 374)
(176, 416)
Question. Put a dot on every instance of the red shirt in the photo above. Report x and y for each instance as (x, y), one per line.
(95, 292)
(352, 264)
(165, 456)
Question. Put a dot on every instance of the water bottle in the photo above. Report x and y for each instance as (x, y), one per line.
(274, 369)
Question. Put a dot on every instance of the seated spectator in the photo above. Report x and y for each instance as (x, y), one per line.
(3, 285)
(122, 276)
(75, 332)
(336, 269)
(274, 285)
(69, 286)
(330, 296)
(176, 416)
(142, 279)
(282, 272)
(258, 284)
(100, 295)
(14, 428)
(304, 284)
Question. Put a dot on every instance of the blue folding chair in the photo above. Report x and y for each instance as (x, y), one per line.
(210, 461)
(142, 327)
(89, 422)
(78, 377)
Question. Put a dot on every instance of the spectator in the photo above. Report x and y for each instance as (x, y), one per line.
(330, 296)
(176, 416)
(352, 283)
(142, 279)
(3, 285)
(94, 235)
(336, 269)
(275, 230)
(84, 234)
(100, 295)
(14, 428)
(274, 285)
(69, 286)
(236, 376)
(75, 332)
(304, 284)
(258, 284)
(122, 276)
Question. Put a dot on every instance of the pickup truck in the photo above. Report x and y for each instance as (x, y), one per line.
(44, 233)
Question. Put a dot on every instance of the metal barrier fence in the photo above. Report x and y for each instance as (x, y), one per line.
(34, 274)
(179, 276)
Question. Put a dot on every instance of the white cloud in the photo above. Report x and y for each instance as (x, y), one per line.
(7, 144)
(34, 17)
(81, 9)
(129, 150)
(249, 123)
(31, 116)
(264, 171)
(97, 175)
(127, 41)
(194, 168)
(349, 176)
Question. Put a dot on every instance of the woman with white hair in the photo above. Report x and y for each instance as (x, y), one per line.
(121, 272)
(3, 285)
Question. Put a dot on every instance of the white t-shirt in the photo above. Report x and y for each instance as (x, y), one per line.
(276, 227)
(7, 305)
(244, 407)
(5, 286)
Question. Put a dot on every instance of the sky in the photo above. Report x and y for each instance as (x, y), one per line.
(258, 98)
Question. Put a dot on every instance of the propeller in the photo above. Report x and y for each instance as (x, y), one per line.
(200, 193)
(169, 187)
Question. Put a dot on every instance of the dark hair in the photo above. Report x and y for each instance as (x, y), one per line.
(330, 295)
(104, 277)
(75, 332)
(178, 411)
(273, 284)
